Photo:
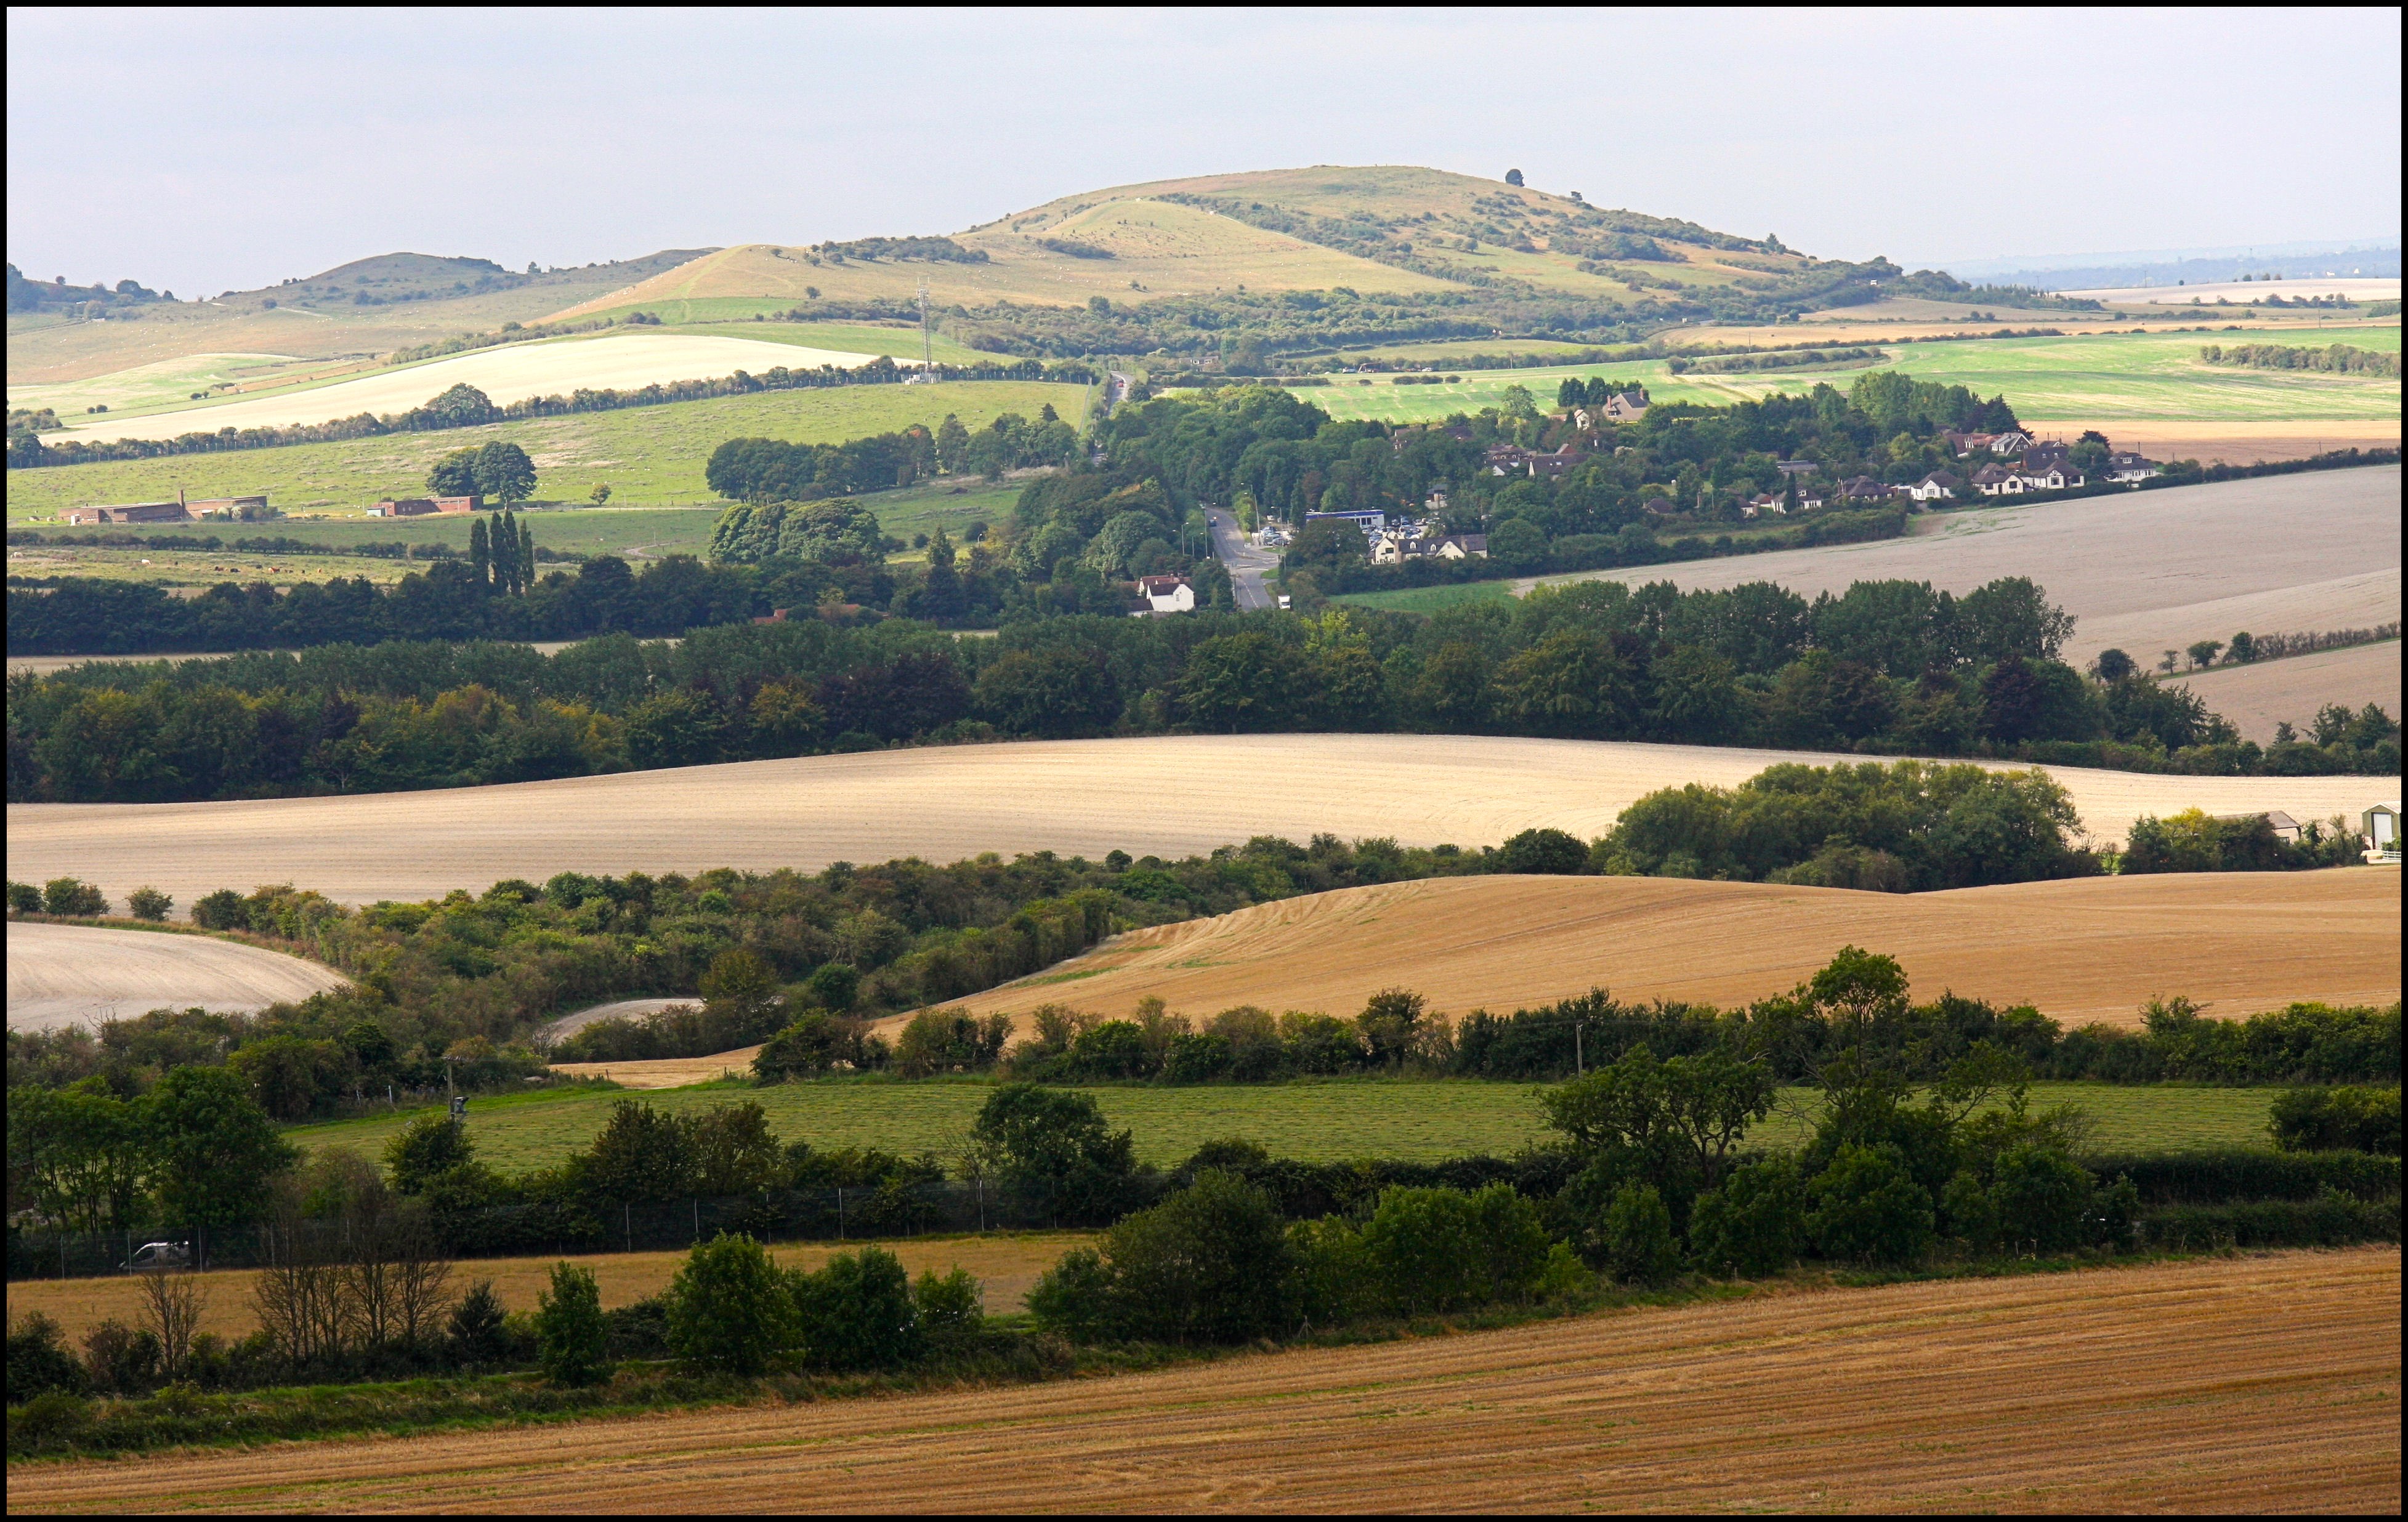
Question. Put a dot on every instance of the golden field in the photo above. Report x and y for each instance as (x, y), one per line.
(1165, 795)
(2257, 1384)
(2082, 951)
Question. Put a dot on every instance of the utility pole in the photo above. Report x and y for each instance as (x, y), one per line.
(928, 365)
(1580, 1064)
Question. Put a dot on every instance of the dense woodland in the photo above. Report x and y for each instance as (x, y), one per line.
(1888, 667)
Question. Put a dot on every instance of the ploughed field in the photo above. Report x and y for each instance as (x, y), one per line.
(2086, 950)
(2145, 571)
(1165, 795)
(1328, 1120)
(76, 975)
(2258, 696)
(2268, 1383)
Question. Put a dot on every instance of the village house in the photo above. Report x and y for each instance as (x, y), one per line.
(1997, 480)
(1512, 460)
(1626, 407)
(1162, 595)
(1865, 489)
(2126, 468)
(1765, 502)
(2048, 476)
(1936, 487)
(1658, 506)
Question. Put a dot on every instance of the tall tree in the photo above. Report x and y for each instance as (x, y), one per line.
(504, 472)
(481, 556)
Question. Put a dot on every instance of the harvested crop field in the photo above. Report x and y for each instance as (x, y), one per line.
(508, 374)
(2257, 1384)
(2258, 696)
(73, 975)
(2084, 951)
(1169, 795)
(2145, 572)
(1005, 1263)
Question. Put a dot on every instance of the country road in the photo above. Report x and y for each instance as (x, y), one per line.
(1246, 563)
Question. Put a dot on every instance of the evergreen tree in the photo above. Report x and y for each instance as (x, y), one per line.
(952, 440)
(526, 558)
(506, 551)
(480, 550)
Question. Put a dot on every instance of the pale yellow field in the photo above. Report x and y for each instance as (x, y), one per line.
(2257, 697)
(1166, 795)
(2260, 1384)
(2091, 949)
(2145, 572)
(1005, 1264)
(2359, 289)
(2225, 442)
(77, 975)
(505, 375)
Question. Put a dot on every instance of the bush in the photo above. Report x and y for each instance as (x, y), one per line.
(730, 1309)
(1074, 1298)
(149, 904)
(2332, 1220)
(857, 1312)
(1209, 1265)
(119, 1359)
(1753, 1225)
(72, 897)
(953, 1308)
(1638, 1236)
(24, 899)
(426, 1149)
(1334, 1281)
(571, 1339)
(1058, 1153)
(2237, 1173)
(2352, 1120)
(1867, 1208)
(224, 909)
(38, 1361)
(1441, 1249)
(478, 1329)
(2040, 1196)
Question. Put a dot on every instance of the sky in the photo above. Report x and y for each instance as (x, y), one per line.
(213, 149)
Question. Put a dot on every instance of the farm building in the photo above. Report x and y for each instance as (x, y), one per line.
(420, 506)
(131, 512)
(2379, 827)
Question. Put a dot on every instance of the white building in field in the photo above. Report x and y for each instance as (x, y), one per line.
(1162, 595)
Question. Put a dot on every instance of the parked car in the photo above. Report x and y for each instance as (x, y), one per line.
(159, 1255)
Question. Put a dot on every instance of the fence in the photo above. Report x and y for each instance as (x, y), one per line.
(827, 1215)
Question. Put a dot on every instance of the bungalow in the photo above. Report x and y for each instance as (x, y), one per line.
(1935, 486)
(2286, 828)
(1996, 480)
(1658, 506)
(1865, 489)
(1765, 502)
(1809, 498)
(2126, 468)
(1162, 595)
(420, 506)
(2048, 477)
(1964, 443)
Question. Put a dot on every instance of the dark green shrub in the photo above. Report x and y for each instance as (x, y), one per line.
(1197, 1058)
(1440, 1249)
(2040, 1196)
(729, 1308)
(72, 896)
(1640, 1247)
(1335, 1280)
(1753, 1225)
(224, 909)
(571, 1339)
(149, 904)
(1209, 1265)
(810, 1047)
(1869, 1209)
(38, 1361)
(2355, 1120)
(24, 899)
(953, 1308)
(426, 1149)
(2332, 1220)
(1057, 1153)
(1074, 1298)
(2235, 1173)
(119, 1359)
(476, 1329)
(857, 1312)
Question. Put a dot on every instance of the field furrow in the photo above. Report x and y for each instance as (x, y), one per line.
(2262, 1383)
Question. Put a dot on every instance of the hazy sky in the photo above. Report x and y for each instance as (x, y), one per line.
(203, 150)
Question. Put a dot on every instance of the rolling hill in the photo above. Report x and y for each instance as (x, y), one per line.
(1388, 229)
(2084, 951)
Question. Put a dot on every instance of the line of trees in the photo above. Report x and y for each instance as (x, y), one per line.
(2335, 358)
(768, 471)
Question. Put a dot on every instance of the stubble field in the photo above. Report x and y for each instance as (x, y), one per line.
(2259, 1384)
(2082, 951)
(76, 975)
(1167, 795)
(2261, 695)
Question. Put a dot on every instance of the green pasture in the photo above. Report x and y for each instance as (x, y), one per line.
(1431, 599)
(2155, 377)
(1320, 1122)
(651, 456)
(637, 532)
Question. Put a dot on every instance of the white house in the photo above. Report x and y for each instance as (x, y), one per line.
(2127, 469)
(1939, 484)
(1163, 594)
